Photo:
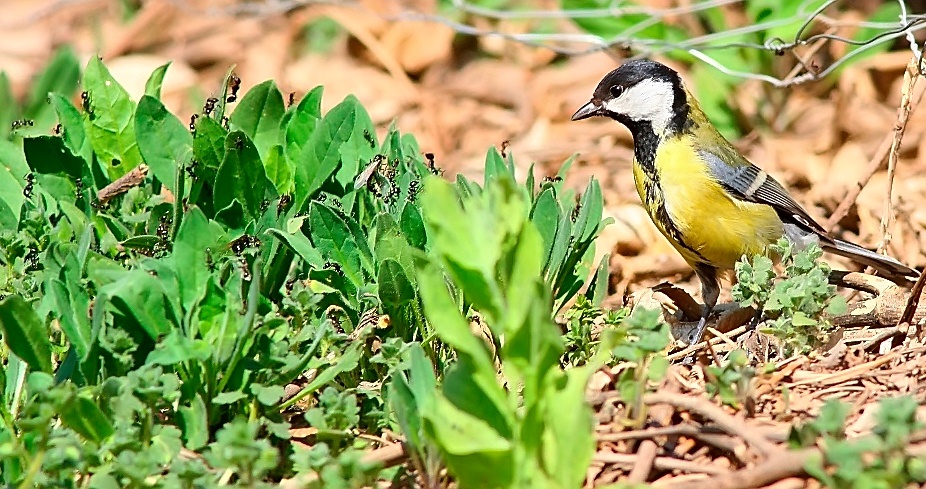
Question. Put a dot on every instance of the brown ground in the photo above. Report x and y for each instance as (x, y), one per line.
(459, 95)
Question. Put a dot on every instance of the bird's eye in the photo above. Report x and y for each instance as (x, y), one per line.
(616, 90)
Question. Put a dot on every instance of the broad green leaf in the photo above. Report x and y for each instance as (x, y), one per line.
(241, 176)
(141, 296)
(300, 126)
(153, 85)
(25, 334)
(412, 225)
(475, 454)
(279, 170)
(110, 121)
(85, 417)
(72, 127)
(258, 115)
(49, 155)
(338, 142)
(209, 148)
(301, 245)
(335, 242)
(73, 301)
(568, 440)
(60, 75)
(196, 235)
(8, 107)
(395, 287)
(163, 141)
(177, 348)
(195, 423)
(546, 215)
(11, 196)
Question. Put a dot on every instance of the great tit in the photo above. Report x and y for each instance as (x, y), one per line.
(712, 204)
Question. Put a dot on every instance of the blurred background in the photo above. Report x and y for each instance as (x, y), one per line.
(809, 90)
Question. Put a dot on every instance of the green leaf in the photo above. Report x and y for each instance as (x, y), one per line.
(73, 301)
(60, 75)
(85, 417)
(195, 423)
(155, 80)
(334, 241)
(110, 121)
(279, 170)
(8, 107)
(338, 141)
(196, 235)
(177, 348)
(474, 452)
(49, 155)
(25, 334)
(568, 441)
(165, 144)
(301, 245)
(11, 196)
(141, 296)
(267, 395)
(301, 125)
(258, 115)
(395, 288)
(72, 127)
(412, 225)
(209, 147)
(241, 176)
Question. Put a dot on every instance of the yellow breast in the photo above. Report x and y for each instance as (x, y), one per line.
(705, 223)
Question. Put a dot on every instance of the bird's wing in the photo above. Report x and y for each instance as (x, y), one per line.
(750, 183)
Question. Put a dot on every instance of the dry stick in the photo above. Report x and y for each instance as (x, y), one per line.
(719, 440)
(660, 463)
(646, 456)
(713, 341)
(784, 464)
(725, 421)
(913, 301)
(910, 76)
(873, 165)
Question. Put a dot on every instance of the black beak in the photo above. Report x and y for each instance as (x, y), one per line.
(592, 108)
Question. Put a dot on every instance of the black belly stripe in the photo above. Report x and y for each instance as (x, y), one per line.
(655, 203)
(645, 145)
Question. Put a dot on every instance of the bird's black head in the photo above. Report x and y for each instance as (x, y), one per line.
(640, 94)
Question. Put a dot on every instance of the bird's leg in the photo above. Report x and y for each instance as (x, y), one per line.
(710, 291)
(755, 319)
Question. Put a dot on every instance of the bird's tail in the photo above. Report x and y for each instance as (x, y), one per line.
(889, 267)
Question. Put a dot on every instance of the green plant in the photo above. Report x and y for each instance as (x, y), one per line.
(584, 325)
(641, 341)
(260, 247)
(876, 460)
(526, 425)
(799, 303)
(731, 381)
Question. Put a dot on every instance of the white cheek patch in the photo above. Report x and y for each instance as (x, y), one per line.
(649, 100)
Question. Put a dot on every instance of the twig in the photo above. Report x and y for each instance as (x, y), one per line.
(646, 456)
(710, 411)
(783, 465)
(660, 463)
(707, 434)
(697, 346)
(910, 77)
(913, 301)
(873, 166)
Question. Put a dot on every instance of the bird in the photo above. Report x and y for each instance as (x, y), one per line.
(711, 203)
